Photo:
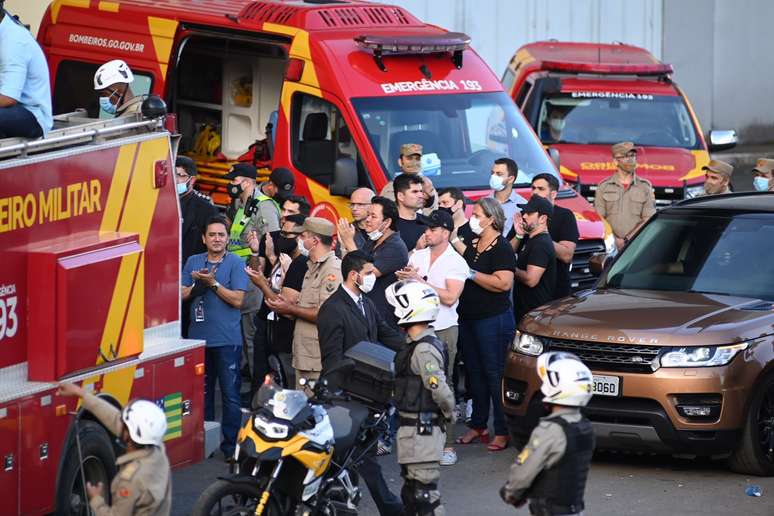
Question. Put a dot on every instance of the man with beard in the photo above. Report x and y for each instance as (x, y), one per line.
(717, 177)
(624, 199)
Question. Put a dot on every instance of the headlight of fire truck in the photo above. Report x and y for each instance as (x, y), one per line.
(694, 191)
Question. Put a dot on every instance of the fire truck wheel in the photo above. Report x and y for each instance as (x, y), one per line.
(99, 465)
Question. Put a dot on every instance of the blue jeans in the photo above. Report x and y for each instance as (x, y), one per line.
(17, 121)
(485, 342)
(221, 364)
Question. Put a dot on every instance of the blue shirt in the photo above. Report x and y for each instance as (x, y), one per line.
(222, 322)
(509, 209)
(24, 72)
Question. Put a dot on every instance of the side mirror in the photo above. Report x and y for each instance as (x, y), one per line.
(553, 152)
(597, 263)
(722, 140)
(344, 177)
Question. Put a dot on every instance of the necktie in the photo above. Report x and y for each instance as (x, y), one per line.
(361, 305)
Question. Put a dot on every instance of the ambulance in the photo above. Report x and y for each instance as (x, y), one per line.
(89, 294)
(327, 89)
(596, 95)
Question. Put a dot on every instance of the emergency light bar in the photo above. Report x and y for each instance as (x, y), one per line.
(609, 69)
(451, 42)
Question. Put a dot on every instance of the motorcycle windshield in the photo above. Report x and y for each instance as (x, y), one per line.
(287, 404)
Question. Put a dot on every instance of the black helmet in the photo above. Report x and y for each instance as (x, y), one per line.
(154, 107)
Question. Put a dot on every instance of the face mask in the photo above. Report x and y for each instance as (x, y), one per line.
(475, 225)
(181, 188)
(375, 235)
(761, 184)
(302, 248)
(496, 183)
(107, 106)
(447, 210)
(557, 124)
(368, 282)
(286, 245)
(234, 191)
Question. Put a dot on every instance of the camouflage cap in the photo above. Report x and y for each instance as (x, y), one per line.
(623, 148)
(407, 149)
(764, 165)
(319, 226)
(719, 167)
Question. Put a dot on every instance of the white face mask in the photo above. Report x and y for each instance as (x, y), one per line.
(375, 235)
(496, 183)
(368, 282)
(557, 124)
(302, 248)
(475, 225)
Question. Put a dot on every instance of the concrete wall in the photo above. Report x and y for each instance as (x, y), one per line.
(722, 56)
(499, 27)
(30, 12)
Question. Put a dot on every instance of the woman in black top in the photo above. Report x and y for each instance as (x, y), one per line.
(486, 320)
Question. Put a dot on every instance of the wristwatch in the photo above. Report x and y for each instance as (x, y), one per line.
(215, 286)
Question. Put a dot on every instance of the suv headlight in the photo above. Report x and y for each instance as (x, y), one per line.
(701, 356)
(527, 344)
(694, 191)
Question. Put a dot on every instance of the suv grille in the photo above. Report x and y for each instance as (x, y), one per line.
(623, 358)
(581, 276)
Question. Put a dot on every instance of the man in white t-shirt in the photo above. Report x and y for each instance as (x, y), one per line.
(441, 267)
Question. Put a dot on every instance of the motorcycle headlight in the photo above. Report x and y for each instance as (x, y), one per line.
(527, 344)
(701, 356)
(694, 191)
(270, 429)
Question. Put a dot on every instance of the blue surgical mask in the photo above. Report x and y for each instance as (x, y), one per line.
(182, 188)
(496, 183)
(761, 184)
(107, 106)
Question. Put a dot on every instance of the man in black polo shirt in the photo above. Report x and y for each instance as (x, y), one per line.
(535, 278)
(410, 200)
(562, 227)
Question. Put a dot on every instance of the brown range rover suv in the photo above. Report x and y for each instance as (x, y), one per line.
(679, 333)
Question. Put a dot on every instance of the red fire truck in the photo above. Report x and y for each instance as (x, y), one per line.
(89, 293)
(602, 94)
(344, 84)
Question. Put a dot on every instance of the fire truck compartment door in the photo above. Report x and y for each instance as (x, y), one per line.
(86, 304)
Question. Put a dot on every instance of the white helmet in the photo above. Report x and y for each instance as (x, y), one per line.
(413, 302)
(112, 72)
(145, 421)
(566, 380)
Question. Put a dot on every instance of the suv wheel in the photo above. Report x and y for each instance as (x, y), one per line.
(755, 455)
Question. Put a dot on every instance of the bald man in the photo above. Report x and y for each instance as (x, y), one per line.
(355, 232)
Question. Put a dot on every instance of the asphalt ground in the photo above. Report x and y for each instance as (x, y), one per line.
(618, 485)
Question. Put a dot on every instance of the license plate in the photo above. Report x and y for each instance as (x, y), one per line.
(606, 385)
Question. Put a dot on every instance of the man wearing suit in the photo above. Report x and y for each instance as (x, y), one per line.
(344, 319)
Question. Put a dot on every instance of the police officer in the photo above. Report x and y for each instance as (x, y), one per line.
(624, 199)
(763, 175)
(253, 207)
(410, 162)
(717, 177)
(195, 207)
(322, 278)
(424, 401)
(552, 468)
(143, 485)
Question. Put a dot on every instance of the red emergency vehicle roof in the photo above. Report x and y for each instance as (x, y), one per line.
(341, 14)
(597, 58)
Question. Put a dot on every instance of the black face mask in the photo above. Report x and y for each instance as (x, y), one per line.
(447, 210)
(286, 245)
(234, 191)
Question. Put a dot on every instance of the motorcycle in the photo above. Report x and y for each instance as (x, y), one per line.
(297, 456)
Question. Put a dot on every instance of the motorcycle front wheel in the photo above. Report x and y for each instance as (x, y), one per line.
(225, 498)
